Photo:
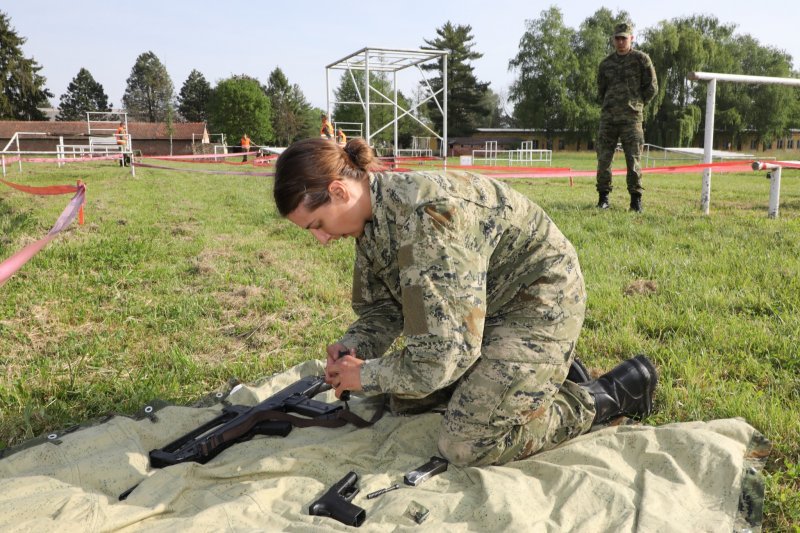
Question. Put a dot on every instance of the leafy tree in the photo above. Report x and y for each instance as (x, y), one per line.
(193, 98)
(83, 94)
(22, 89)
(770, 105)
(544, 64)
(239, 105)
(290, 109)
(497, 116)
(466, 105)
(703, 43)
(678, 47)
(149, 91)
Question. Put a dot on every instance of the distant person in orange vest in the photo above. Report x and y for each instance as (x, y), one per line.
(341, 138)
(122, 142)
(245, 142)
(327, 128)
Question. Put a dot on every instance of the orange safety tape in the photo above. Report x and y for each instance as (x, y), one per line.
(42, 191)
(11, 265)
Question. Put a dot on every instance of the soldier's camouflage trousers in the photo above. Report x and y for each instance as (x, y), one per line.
(514, 401)
(631, 136)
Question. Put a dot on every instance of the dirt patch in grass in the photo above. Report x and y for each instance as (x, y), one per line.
(641, 287)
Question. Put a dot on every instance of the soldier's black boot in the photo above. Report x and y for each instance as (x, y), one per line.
(636, 202)
(578, 373)
(626, 390)
(602, 203)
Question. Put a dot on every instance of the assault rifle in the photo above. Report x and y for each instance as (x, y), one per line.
(239, 423)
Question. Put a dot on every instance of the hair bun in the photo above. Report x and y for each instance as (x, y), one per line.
(359, 153)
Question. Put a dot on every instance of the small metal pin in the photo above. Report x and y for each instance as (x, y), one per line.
(382, 491)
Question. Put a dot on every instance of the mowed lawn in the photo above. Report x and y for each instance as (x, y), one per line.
(180, 280)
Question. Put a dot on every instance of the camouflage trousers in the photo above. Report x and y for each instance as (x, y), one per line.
(514, 401)
(631, 136)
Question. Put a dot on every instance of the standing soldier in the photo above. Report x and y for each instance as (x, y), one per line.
(626, 81)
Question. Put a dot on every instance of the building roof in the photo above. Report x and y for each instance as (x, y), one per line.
(137, 130)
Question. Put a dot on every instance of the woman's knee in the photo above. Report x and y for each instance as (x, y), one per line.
(459, 451)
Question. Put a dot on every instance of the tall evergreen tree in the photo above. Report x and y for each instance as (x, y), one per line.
(239, 105)
(290, 109)
(22, 89)
(466, 102)
(83, 94)
(193, 98)
(149, 91)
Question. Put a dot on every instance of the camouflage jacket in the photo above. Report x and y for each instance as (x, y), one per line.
(625, 84)
(444, 256)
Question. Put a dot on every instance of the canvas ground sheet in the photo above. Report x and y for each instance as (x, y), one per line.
(696, 476)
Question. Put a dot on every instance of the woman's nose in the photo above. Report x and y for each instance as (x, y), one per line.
(321, 236)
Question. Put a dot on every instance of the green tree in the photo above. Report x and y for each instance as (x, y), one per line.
(770, 106)
(239, 105)
(290, 109)
(678, 47)
(544, 64)
(22, 89)
(149, 91)
(83, 94)
(193, 98)
(466, 102)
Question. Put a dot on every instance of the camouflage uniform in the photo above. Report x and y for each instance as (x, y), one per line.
(489, 297)
(625, 84)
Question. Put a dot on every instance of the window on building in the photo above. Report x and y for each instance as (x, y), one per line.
(753, 144)
(790, 144)
(535, 144)
(780, 144)
(590, 145)
(561, 144)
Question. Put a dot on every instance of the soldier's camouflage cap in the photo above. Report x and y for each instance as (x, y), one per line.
(623, 29)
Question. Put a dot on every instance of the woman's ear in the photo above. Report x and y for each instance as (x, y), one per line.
(338, 190)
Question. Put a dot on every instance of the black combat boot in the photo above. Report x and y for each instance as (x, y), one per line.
(578, 373)
(602, 203)
(636, 202)
(626, 390)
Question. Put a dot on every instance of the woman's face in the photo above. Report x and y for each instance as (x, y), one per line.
(345, 215)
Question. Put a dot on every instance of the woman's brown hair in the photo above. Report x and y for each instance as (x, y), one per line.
(305, 169)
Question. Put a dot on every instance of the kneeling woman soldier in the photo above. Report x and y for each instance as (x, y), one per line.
(486, 291)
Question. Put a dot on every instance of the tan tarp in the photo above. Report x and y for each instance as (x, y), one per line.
(678, 477)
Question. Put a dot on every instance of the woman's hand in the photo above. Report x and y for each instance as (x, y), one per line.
(343, 369)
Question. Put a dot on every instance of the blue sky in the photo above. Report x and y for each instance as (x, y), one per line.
(221, 39)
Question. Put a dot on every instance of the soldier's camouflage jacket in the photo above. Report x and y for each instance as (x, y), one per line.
(625, 83)
(445, 256)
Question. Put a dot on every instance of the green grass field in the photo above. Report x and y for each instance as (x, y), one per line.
(179, 281)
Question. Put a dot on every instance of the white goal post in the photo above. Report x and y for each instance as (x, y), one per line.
(708, 142)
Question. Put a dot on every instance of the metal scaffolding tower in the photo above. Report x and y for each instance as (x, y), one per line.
(394, 61)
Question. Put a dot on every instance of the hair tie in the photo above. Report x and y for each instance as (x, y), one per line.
(351, 154)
